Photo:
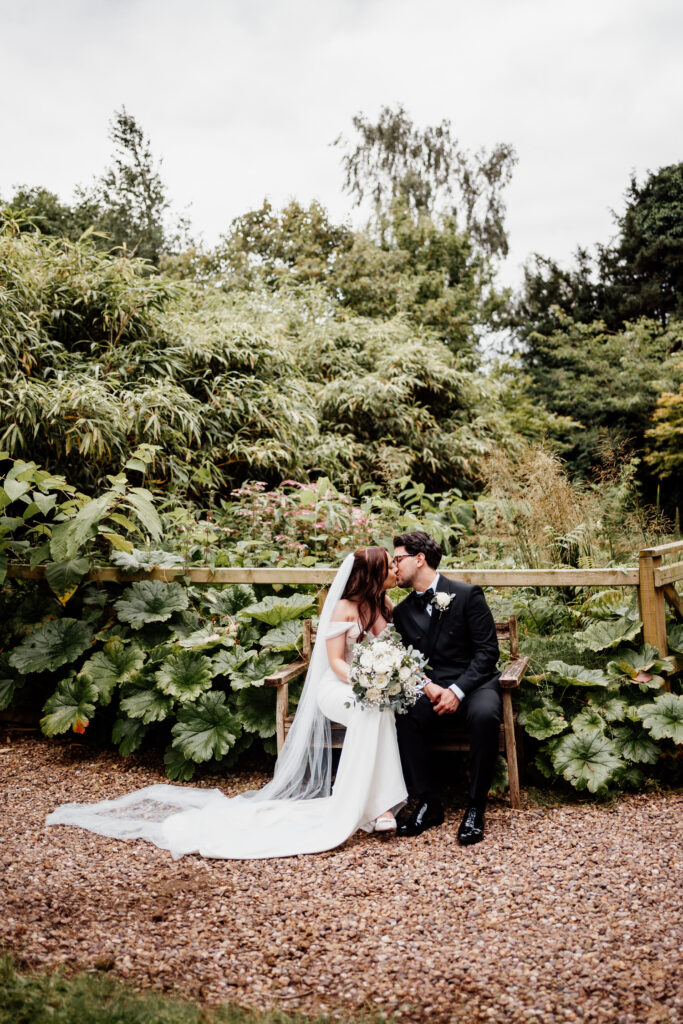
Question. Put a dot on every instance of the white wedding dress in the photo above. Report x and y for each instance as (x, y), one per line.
(305, 816)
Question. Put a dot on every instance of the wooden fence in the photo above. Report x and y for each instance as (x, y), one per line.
(654, 580)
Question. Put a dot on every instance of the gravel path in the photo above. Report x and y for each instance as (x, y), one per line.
(564, 913)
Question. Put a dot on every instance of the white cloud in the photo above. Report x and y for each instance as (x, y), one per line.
(243, 99)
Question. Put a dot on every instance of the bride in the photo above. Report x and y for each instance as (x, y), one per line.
(298, 811)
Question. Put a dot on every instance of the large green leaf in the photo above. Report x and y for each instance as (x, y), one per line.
(142, 501)
(52, 644)
(609, 604)
(643, 667)
(587, 762)
(254, 669)
(255, 707)
(612, 709)
(9, 682)
(64, 577)
(588, 722)
(287, 637)
(542, 723)
(116, 663)
(69, 537)
(274, 609)
(138, 559)
(601, 636)
(227, 600)
(209, 637)
(663, 718)
(185, 674)
(635, 745)
(150, 601)
(178, 767)
(71, 706)
(675, 638)
(576, 675)
(143, 700)
(128, 734)
(205, 729)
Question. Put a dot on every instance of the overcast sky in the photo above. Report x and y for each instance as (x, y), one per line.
(242, 98)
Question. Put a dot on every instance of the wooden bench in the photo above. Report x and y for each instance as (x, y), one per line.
(510, 679)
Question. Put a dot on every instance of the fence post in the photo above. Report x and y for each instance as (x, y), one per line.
(651, 602)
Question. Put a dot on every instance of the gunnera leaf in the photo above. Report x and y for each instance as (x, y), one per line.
(178, 767)
(150, 601)
(254, 669)
(144, 701)
(287, 637)
(116, 663)
(209, 637)
(587, 762)
(643, 667)
(255, 708)
(635, 745)
(609, 604)
(206, 728)
(612, 709)
(601, 636)
(542, 723)
(663, 718)
(588, 722)
(50, 645)
(576, 675)
(227, 600)
(675, 638)
(140, 559)
(128, 734)
(274, 609)
(71, 706)
(184, 675)
(9, 682)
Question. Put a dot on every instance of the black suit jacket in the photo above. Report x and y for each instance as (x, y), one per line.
(460, 643)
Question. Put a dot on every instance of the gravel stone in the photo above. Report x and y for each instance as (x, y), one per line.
(564, 913)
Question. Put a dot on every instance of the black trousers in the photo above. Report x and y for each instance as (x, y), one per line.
(480, 713)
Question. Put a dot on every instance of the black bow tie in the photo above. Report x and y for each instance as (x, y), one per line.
(424, 599)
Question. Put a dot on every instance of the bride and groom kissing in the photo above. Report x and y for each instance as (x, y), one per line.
(383, 758)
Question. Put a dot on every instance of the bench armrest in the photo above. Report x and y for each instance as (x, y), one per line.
(285, 675)
(512, 674)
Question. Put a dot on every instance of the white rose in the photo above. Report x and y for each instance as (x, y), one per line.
(366, 660)
(404, 674)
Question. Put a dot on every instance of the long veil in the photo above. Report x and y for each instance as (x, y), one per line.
(302, 773)
(303, 770)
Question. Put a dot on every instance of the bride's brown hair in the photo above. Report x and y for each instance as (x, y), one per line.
(365, 585)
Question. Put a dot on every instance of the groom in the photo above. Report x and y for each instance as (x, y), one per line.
(451, 624)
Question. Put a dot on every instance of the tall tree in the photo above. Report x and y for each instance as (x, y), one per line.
(131, 195)
(643, 274)
(392, 158)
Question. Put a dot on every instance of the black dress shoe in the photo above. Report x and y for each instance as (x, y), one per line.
(426, 815)
(471, 829)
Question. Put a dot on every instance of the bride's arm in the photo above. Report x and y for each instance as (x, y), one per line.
(335, 656)
(344, 611)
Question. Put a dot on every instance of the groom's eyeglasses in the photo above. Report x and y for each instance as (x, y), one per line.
(399, 558)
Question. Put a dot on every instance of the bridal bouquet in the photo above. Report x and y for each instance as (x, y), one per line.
(385, 674)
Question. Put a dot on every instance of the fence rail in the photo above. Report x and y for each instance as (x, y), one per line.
(627, 577)
(654, 582)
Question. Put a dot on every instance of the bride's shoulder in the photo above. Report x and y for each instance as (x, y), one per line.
(345, 611)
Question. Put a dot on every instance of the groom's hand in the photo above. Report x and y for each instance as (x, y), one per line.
(445, 702)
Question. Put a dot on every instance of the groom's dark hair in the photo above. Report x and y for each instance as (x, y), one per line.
(417, 541)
